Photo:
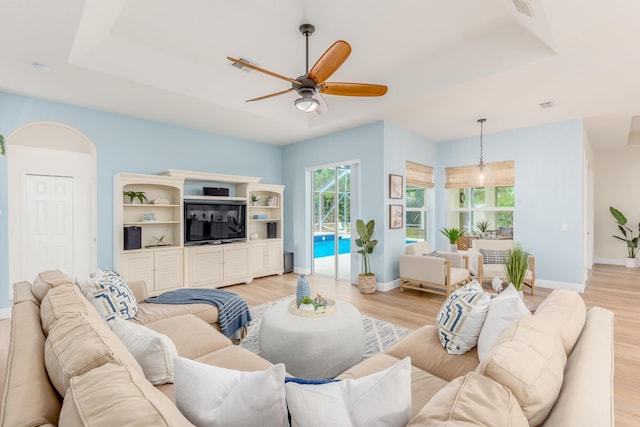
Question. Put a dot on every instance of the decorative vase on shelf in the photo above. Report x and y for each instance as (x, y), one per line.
(302, 290)
(271, 201)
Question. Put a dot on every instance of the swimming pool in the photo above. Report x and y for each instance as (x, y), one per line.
(324, 245)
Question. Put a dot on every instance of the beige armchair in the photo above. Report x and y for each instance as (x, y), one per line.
(486, 271)
(437, 274)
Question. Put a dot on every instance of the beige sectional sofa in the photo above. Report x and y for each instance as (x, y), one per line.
(66, 367)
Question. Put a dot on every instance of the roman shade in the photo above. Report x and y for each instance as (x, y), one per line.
(503, 173)
(418, 175)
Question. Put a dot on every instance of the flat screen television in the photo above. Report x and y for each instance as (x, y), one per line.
(213, 222)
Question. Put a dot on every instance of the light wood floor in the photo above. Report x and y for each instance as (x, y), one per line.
(612, 287)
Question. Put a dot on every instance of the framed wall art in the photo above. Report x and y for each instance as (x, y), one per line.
(396, 216)
(396, 186)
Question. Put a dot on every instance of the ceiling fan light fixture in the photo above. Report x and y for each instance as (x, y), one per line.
(307, 103)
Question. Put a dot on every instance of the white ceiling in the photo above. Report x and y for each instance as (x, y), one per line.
(447, 63)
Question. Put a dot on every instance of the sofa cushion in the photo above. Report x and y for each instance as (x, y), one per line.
(504, 309)
(472, 400)
(29, 397)
(379, 399)
(149, 312)
(193, 337)
(461, 317)
(63, 301)
(213, 396)
(529, 359)
(426, 352)
(154, 351)
(567, 311)
(111, 295)
(424, 385)
(494, 256)
(112, 395)
(77, 344)
(47, 280)
(235, 357)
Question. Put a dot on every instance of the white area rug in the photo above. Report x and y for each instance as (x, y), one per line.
(378, 334)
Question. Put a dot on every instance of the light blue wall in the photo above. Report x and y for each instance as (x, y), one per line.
(548, 178)
(126, 144)
(364, 144)
(382, 148)
(400, 145)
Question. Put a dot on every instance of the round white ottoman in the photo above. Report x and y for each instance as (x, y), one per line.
(312, 347)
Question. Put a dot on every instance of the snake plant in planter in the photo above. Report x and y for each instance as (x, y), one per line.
(515, 268)
(627, 237)
(366, 279)
(453, 234)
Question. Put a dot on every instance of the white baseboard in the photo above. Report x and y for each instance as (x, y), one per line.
(615, 261)
(298, 270)
(5, 313)
(385, 287)
(567, 286)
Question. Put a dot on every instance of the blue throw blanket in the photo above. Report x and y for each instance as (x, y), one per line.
(233, 312)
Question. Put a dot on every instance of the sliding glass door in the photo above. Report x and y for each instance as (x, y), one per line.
(331, 225)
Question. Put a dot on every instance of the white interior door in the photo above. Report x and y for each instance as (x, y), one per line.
(49, 224)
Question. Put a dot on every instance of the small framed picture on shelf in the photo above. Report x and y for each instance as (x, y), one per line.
(396, 186)
(396, 216)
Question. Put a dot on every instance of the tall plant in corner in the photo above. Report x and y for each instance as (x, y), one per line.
(366, 279)
(627, 237)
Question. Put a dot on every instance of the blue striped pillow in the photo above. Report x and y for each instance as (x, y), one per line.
(461, 317)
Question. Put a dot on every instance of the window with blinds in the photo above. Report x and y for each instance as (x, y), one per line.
(482, 212)
(419, 179)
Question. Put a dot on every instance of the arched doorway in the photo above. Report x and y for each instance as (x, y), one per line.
(52, 213)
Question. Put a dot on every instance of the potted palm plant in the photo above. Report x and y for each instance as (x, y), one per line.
(627, 236)
(366, 279)
(135, 195)
(515, 268)
(453, 234)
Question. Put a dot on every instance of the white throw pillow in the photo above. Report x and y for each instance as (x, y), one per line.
(212, 396)
(461, 317)
(381, 399)
(504, 309)
(112, 297)
(154, 352)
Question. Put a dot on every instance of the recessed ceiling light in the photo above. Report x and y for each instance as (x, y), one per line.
(524, 8)
(547, 104)
(43, 68)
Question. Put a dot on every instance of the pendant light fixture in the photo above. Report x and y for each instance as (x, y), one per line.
(481, 175)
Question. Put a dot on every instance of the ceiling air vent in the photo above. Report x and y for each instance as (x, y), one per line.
(242, 67)
(524, 8)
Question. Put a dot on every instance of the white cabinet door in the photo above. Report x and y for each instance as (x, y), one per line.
(257, 258)
(205, 266)
(169, 269)
(275, 257)
(236, 263)
(138, 266)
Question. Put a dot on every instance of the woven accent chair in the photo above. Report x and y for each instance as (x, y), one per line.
(422, 269)
(485, 269)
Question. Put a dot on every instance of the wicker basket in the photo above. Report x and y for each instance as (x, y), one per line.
(367, 284)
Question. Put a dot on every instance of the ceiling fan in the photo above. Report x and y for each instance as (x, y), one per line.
(310, 85)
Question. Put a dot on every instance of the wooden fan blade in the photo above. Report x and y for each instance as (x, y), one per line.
(353, 89)
(262, 70)
(330, 61)
(270, 96)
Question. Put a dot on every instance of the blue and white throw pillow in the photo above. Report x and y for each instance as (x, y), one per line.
(112, 297)
(494, 256)
(461, 317)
